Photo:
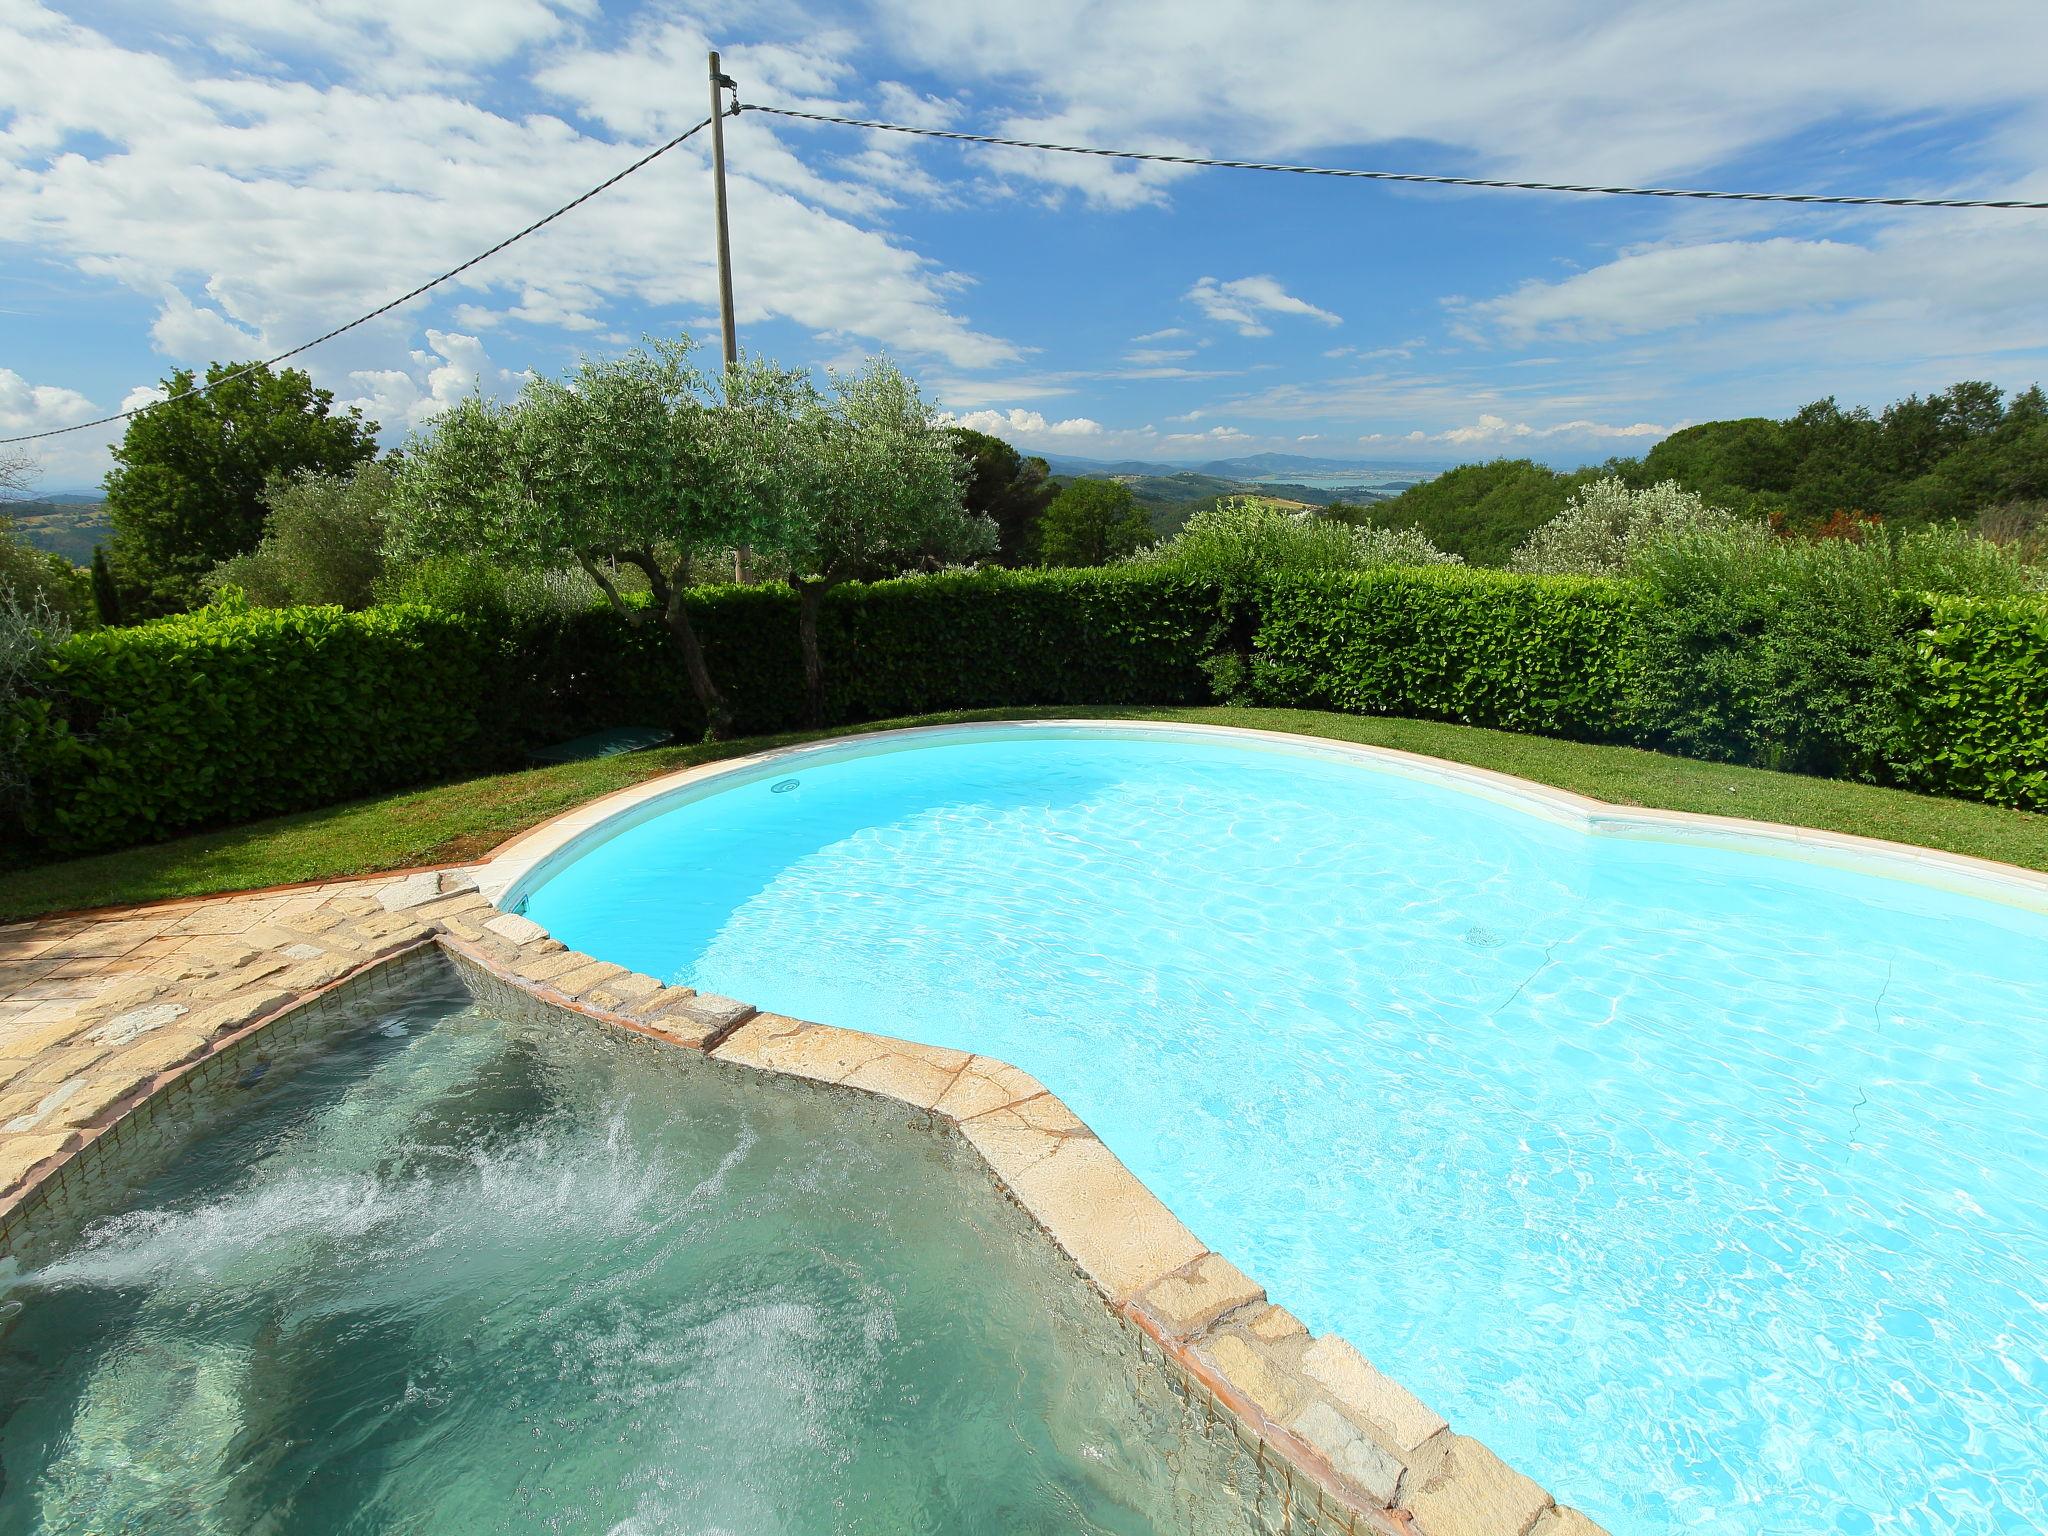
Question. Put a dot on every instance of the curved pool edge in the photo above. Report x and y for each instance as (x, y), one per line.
(1375, 1457)
(1355, 1449)
(513, 870)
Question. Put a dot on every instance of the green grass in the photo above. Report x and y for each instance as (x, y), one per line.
(456, 822)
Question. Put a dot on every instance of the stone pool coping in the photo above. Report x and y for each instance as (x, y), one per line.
(513, 869)
(134, 1010)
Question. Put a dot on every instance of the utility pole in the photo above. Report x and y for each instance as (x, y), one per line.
(720, 81)
(729, 330)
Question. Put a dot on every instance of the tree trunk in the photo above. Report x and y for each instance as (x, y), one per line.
(717, 718)
(810, 597)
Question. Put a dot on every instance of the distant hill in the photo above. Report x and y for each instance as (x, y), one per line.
(1275, 466)
(1252, 467)
(66, 524)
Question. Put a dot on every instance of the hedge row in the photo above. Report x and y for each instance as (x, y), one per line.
(225, 715)
(221, 716)
(1978, 702)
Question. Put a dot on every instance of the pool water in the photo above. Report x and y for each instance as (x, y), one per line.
(1708, 1188)
(463, 1275)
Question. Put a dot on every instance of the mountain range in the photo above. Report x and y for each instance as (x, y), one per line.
(1251, 467)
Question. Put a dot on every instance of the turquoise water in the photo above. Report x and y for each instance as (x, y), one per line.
(463, 1276)
(1710, 1189)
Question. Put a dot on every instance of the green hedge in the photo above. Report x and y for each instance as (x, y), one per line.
(225, 715)
(1978, 711)
(1553, 655)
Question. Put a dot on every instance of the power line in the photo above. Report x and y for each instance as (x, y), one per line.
(434, 282)
(1409, 176)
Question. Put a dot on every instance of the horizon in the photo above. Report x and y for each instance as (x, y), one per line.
(241, 179)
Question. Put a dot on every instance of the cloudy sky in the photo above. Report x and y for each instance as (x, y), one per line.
(224, 178)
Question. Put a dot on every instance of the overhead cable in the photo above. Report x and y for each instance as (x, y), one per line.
(433, 282)
(1406, 176)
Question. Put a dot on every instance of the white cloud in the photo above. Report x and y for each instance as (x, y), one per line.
(290, 200)
(60, 463)
(1645, 92)
(1169, 334)
(1497, 431)
(1023, 423)
(1242, 300)
(1656, 289)
(26, 407)
(191, 334)
(450, 367)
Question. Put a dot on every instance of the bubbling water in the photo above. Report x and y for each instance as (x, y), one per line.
(472, 1275)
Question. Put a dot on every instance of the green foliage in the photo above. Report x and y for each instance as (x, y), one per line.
(1481, 512)
(322, 545)
(1246, 539)
(877, 487)
(1824, 657)
(1949, 455)
(1550, 654)
(1796, 654)
(106, 595)
(29, 629)
(1606, 524)
(1977, 710)
(1092, 522)
(1004, 486)
(231, 712)
(39, 579)
(187, 489)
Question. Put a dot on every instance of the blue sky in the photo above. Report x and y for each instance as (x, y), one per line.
(227, 177)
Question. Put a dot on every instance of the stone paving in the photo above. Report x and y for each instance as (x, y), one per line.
(100, 1012)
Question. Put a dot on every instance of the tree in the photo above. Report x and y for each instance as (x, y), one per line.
(1481, 512)
(106, 596)
(1092, 522)
(323, 539)
(629, 461)
(187, 489)
(876, 490)
(1006, 487)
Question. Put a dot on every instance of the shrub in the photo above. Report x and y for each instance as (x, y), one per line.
(1795, 654)
(322, 542)
(1249, 539)
(1092, 522)
(230, 712)
(1556, 655)
(1606, 524)
(1976, 717)
(29, 628)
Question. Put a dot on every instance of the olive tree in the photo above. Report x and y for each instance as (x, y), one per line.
(873, 487)
(629, 461)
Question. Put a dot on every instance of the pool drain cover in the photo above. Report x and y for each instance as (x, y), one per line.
(782, 786)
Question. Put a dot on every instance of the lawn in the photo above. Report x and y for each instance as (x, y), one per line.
(451, 823)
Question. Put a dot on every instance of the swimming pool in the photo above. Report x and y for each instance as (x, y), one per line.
(1708, 1187)
(464, 1273)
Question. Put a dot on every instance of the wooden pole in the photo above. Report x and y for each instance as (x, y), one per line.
(729, 330)
(731, 333)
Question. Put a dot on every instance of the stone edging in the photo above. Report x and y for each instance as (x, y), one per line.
(1382, 1459)
(1391, 1463)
